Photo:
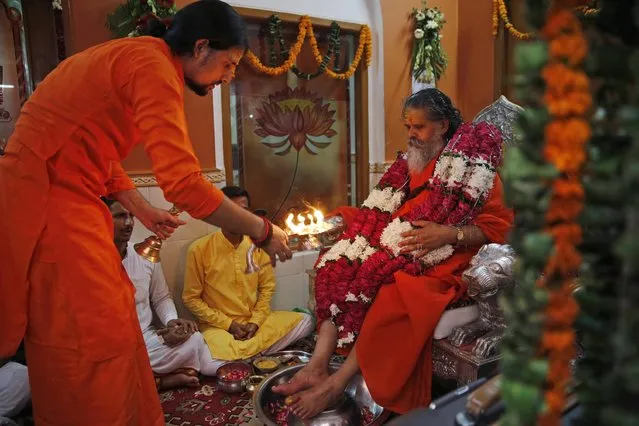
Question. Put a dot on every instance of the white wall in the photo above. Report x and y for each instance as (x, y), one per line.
(354, 11)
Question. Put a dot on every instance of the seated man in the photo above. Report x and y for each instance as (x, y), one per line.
(177, 351)
(233, 307)
(382, 288)
(15, 392)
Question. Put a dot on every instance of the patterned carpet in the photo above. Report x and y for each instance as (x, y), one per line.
(208, 406)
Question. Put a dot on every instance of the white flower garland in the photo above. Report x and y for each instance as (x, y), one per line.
(456, 171)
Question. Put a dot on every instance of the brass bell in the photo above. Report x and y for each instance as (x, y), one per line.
(150, 247)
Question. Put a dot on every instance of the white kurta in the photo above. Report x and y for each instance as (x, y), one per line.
(152, 295)
(15, 392)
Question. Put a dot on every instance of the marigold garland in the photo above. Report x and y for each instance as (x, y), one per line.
(568, 100)
(501, 11)
(305, 28)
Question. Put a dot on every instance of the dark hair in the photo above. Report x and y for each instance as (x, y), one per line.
(109, 202)
(236, 192)
(439, 107)
(212, 20)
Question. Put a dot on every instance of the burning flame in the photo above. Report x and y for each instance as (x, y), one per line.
(307, 224)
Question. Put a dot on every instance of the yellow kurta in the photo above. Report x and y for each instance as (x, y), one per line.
(217, 292)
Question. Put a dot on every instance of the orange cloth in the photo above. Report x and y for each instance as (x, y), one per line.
(394, 347)
(348, 214)
(62, 286)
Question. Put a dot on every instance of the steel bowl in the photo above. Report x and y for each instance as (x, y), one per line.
(253, 383)
(287, 356)
(345, 413)
(262, 370)
(231, 385)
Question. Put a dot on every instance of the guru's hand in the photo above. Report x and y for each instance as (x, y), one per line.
(426, 236)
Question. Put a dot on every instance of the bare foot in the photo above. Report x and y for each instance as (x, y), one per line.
(178, 380)
(307, 377)
(313, 401)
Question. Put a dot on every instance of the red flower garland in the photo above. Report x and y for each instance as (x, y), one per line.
(345, 287)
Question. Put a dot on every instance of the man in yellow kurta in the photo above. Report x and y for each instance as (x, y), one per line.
(234, 308)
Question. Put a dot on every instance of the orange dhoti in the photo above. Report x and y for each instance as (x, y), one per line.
(62, 285)
(87, 361)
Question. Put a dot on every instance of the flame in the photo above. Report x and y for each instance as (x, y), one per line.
(307, 224)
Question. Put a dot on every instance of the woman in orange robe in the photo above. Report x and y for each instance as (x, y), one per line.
(393, 348)
(62, 286)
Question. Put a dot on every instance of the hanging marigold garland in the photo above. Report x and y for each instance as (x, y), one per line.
(305, 28)
(568, 100)
(500, 11)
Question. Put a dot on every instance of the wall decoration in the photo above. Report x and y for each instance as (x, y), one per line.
(500, 12)
(291, 133)
(290, 56)
(295, 118)
(429, 60)
(130, 18)
(15, 77)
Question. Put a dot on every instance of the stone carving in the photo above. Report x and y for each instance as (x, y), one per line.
(490, 272)
(503, 114)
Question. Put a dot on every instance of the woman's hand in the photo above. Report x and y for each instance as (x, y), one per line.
(427, 236)
(161, 222)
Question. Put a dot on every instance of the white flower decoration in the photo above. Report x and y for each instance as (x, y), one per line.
(420, 16)
(430, 13)
(350, 297)
(419, 33)
(334, 310)
(56, 4)
(335, 252)
(392, 235)
(432, 24)
(350, 338)
(438, 255)
(368, 252)
(365, 299)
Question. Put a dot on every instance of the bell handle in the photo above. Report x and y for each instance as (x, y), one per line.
(174, 210)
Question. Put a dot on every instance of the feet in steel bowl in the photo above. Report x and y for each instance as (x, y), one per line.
(306, 378)
(323, 395)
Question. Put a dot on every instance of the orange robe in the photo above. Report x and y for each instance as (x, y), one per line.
(62, 286)
(394, 346)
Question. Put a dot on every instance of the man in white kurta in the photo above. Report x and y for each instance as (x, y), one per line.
(15, 392)
(177, 351)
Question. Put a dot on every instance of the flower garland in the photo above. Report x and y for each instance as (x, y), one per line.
(367, 254)
(540, 341)
(609, 320)
(501, 11)
(274, 31)
(429, 59)
(305, 28)
(569, 101)
(130, 18)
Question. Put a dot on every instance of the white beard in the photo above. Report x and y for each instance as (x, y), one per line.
(419, 157)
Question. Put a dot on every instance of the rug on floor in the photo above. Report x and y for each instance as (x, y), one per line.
(206, 405)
